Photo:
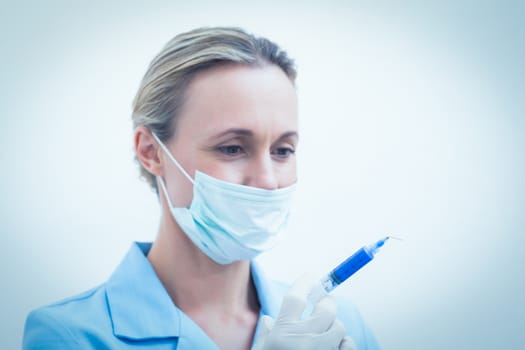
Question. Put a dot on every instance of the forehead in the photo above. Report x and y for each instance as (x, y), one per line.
(238, 96)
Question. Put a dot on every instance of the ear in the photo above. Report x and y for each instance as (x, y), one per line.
(148, 151)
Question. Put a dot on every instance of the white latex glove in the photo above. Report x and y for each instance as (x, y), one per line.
(319, 330)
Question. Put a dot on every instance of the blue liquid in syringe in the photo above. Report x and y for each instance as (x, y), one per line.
(351, 265)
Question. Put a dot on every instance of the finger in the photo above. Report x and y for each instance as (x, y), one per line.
(316, 294)
(347, 344)
(295, 300)
(265, 326)
(332, 338)
(323, 316)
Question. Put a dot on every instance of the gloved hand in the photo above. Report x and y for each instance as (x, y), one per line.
(290, 331)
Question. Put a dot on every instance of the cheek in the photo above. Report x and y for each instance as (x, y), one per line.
(229, 172)
(180, 189)
(237, 171)
(288, 175)
(180, 193)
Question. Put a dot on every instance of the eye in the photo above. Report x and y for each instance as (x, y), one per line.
(230, 150)
(283, 152)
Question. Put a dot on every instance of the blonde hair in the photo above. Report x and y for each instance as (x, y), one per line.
(162, 91)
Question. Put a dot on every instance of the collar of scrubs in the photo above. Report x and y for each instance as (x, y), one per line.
(140, 308)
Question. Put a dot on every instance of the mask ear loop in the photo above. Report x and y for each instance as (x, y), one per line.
(166, 150)
(165, 191)
(160, 181)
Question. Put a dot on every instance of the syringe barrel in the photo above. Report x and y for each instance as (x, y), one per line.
(351, 265)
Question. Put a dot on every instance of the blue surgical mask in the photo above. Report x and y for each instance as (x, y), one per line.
(227, 221)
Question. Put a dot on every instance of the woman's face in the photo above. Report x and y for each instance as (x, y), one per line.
(238, 124)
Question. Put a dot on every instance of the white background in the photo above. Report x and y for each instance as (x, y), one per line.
(412, 124)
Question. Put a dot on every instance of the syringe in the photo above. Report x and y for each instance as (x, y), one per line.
(344, 270)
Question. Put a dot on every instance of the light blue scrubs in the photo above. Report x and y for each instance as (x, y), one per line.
(132, 310)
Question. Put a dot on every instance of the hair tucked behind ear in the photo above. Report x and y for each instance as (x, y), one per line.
(161, 92)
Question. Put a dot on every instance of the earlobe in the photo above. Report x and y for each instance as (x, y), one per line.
(147, 151)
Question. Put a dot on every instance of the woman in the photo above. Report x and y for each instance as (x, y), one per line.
(215, 123)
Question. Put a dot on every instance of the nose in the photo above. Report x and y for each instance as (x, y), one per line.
(260, 173)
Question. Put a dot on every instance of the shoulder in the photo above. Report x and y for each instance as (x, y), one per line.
(66, 323)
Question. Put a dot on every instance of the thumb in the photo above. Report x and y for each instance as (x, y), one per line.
(347, 344)
(265, 326)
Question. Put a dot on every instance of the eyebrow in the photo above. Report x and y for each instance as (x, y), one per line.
(247, 132)
(234, 132)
